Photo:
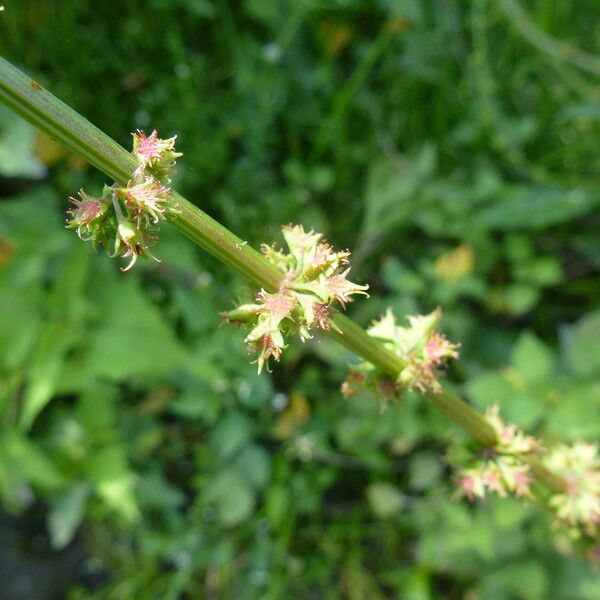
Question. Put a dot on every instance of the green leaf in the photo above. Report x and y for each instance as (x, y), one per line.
(528, 208)
(254, 465)
(133, 339)
(390, 195)
(385, 499)
(581, 345)
(231, 434)
(232, 497)
(66, 514)
(19, 332)
(96, 407)
(542, 271)
(30, 463)
(65, 306)
(197, 401)
(516, 403)
(277, 504)
(45, 370)
(66, 297)
(27, 219)
(532, 358)
(425, 470)
(154, 491)
(520, 298)
(488, 388)
(524, 579)
(577, 415)
(113, 481)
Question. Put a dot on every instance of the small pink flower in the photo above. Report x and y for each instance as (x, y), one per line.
(147, 147)
(277, 305)
(471, 485)
(154, 153)
(311, 283)
(579, 505)
(87, 208)
(523, 480)
(146, 200)
(87, 217)
(267, 348)
(438, 349)
(494, 482)
(467, 486)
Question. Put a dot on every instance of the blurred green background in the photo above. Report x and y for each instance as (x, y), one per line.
(453, 145)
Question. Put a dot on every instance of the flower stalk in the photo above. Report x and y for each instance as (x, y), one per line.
(28, 99)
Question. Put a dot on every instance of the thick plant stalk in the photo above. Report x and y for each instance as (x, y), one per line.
(27, 98)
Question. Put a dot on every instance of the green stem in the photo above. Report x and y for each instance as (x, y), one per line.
(459, 411)
(42, 109)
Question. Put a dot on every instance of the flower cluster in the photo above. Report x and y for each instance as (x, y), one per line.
(578, 507)
(504, 468)
(422, 350)
(124, 220)
(314, 281)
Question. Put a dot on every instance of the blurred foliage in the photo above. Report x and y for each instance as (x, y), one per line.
(453, 146)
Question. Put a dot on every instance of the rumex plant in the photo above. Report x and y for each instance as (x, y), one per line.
(300, 292)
